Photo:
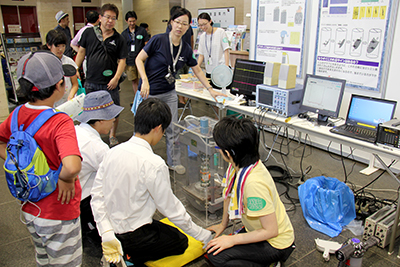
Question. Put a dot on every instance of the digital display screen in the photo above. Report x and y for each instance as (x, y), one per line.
(266, 97)
(246, 76)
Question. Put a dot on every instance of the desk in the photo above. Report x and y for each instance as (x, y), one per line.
(295, 123)
(304, 127)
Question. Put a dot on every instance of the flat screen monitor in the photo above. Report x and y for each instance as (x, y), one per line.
(322, 95)
(246, 76)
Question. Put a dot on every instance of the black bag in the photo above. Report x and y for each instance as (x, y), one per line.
(122, 78)
(100, 38)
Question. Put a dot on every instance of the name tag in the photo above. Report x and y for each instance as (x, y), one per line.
(132, 48)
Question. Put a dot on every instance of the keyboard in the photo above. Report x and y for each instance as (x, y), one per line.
(356, 132)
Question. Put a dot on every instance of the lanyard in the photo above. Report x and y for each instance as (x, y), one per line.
(132, 34)
(174, 60)
(209, 53)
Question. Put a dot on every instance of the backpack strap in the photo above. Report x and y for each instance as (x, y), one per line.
(14, 120)
(40, 120)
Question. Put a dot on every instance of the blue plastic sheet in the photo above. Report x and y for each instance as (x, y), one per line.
(327, 203)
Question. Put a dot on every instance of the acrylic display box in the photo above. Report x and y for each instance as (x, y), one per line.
(200, 187)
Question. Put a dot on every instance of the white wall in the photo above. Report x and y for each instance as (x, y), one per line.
(392, 90)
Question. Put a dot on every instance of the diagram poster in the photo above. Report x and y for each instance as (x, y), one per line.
(351, 41)
(280, 31)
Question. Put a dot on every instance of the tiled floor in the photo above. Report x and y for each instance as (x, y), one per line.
(16, 248)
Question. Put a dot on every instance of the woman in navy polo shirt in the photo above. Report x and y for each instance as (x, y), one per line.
(166, 54)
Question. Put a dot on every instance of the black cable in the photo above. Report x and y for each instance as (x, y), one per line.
(383, 171)
(301, 159)
(331, 155)
(284, 162)
(303, 152)
(341, 159)
(394, 201)
(280, 175)
(344, 166)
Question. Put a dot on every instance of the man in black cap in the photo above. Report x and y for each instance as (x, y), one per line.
(63, 22)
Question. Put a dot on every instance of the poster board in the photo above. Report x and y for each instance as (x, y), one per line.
(225, 16)
(280, 32)
(353, 41)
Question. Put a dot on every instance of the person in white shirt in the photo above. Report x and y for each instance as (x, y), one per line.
(93, 19)
(131, 184)
(97, 117)
(213, 45)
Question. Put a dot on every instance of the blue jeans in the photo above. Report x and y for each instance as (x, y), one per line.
(172, 132)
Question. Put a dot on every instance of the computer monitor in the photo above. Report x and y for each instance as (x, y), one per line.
(322, 95)
(246, 76)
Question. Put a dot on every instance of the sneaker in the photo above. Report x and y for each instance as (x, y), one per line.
(113, 141)
(179, 169)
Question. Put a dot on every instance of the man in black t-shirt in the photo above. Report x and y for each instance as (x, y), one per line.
(105, 51)
(136, 37)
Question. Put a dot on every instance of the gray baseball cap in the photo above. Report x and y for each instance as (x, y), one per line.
(43, 69)
(99, 106)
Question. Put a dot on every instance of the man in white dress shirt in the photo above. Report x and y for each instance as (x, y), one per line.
(131, 184)
(97, 117)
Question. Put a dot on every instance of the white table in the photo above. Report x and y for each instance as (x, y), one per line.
(305, 127)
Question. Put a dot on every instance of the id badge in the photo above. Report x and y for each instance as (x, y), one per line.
(132, 48)
(209, 61)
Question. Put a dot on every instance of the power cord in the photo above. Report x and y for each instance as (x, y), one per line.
(280, 175)
(374, 180)
(367, 204)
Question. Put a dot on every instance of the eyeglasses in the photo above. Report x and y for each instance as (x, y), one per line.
(109, 17)
(183, 24)
(202, 25)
